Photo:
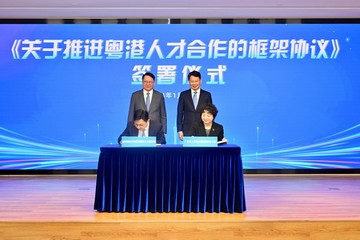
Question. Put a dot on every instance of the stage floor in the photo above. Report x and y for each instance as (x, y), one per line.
(272, 199)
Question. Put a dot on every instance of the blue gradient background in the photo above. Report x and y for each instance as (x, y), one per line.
(284, 113)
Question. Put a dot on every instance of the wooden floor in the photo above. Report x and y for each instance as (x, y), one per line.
(279, 207)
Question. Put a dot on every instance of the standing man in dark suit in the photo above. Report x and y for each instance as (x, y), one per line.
(150, 100)
(190, 103)
(142, 126)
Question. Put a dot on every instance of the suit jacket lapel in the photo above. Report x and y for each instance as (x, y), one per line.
(142, 99)
(203, 131)
(153, 100)
(201, 99)
(133, 131)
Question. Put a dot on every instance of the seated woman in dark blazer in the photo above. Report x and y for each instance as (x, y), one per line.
(207, 126)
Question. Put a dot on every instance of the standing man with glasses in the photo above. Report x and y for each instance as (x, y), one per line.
(150, 100)
(190, 104)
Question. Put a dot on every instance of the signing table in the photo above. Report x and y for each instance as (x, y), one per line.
(170, 178)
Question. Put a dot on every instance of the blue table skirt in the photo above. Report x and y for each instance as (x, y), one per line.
(170, 178)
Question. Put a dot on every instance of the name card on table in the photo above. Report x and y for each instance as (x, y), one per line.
(134, 141)
(200, 141)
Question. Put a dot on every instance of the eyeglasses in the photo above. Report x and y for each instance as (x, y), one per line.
(139, 125)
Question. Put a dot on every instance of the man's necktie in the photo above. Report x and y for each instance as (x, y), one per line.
(195, 99)
(147, 102)
(143, 133)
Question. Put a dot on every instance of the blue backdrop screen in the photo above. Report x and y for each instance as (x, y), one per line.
(287, 94)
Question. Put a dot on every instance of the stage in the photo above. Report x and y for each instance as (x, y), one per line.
(278, 207)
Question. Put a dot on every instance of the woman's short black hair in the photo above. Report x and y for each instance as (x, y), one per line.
(211, 108)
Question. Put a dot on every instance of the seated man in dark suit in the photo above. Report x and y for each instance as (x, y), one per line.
(142, 126)
(207, 126)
